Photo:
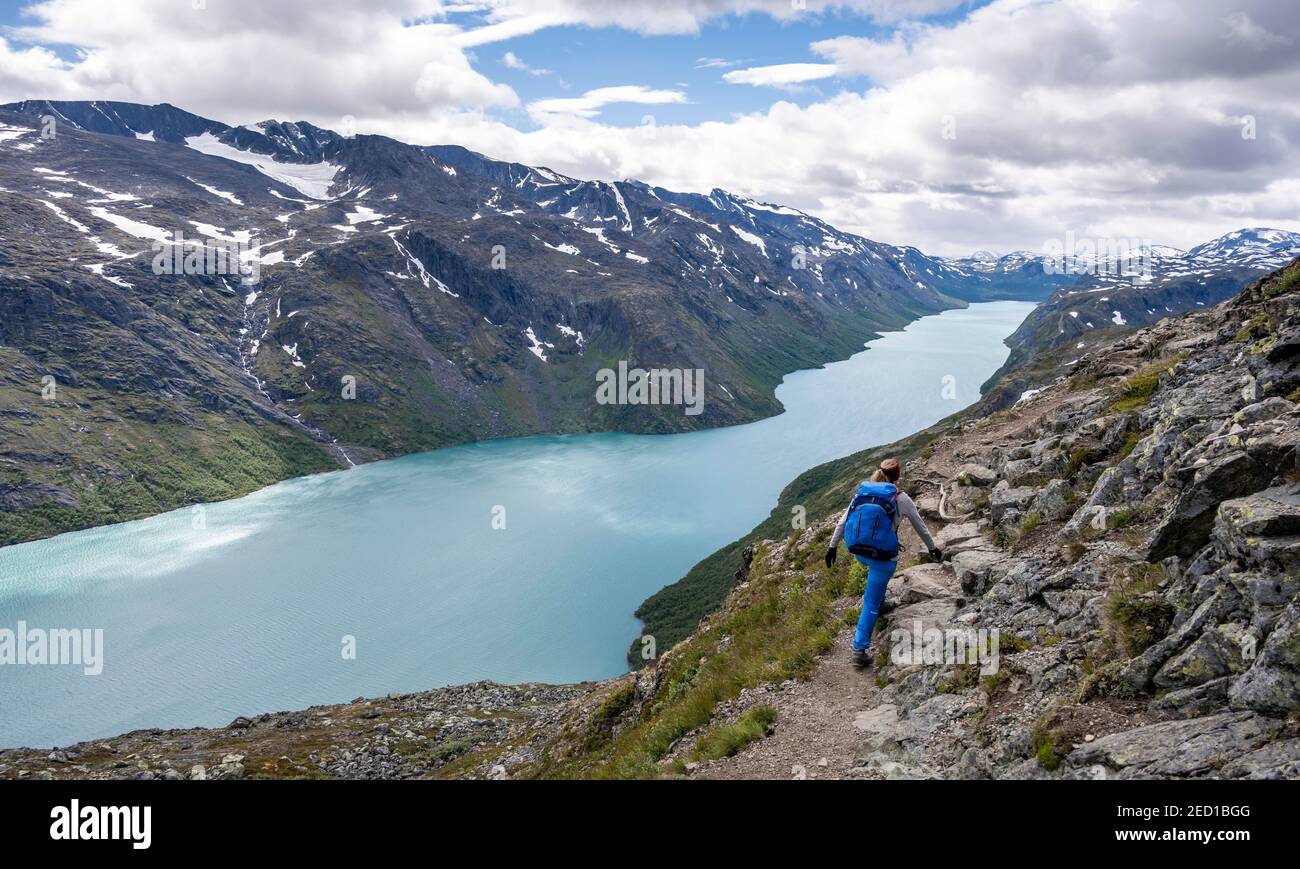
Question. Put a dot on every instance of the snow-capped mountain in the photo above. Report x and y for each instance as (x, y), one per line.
(1146, 284)
(404, 299)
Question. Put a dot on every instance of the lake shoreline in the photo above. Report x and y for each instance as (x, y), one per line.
(366, 456)
(571, 595)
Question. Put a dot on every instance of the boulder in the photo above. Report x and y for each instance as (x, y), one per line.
(1001, 501)
(957, 532)
(1021, 471)
(1261, 411)
(1213, 655)
(1195, 746)
(1053, 502)
(1186, 526)
(1286, 346)
(1194, 702)
(922, 582)
(1262, 530)
(976, 569)
(1272, 684)
(976, 475)
(1277, 761)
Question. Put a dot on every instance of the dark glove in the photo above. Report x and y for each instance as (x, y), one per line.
(831, 555)
(936, 553)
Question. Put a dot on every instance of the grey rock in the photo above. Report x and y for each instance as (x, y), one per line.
(1214, 654)
(1194, 702)
(976, 475)
(1186, 526)
(1195, 746)
(1053, 501)
(1018, 499)
(921, 582)
(1021, 471)
(1261, 411)
(1262, 529)
(1277, 760)
(1272, 684)
(955, 533)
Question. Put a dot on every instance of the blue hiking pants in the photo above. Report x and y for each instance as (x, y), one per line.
(878, 574)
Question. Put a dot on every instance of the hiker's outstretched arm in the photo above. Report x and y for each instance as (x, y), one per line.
(907, 507)
(839, 529)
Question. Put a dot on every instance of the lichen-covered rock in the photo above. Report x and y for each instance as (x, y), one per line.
(1016, 499)
(1272, 684)
(1262, 529)
(1195, 746)
(1186, 526)
(1214, 654)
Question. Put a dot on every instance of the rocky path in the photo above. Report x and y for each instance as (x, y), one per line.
(833, 725)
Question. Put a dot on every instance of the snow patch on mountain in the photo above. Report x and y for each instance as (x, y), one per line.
(310, 179)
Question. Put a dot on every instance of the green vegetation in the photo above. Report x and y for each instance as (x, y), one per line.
(1120, 518)
(779, 627)
(1080, 382)
(964, 677)
(1137, 391)
(173, 466)
(1136, 614)
(1010, 537)
(1284, 284)
(1131, 439)
(1255, 327)
(1010, 644)
(1139, 386)
(728, 739)
(1050, 741)
(1081, 457)
(601, 724)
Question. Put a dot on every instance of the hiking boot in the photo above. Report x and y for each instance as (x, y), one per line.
(860, 659)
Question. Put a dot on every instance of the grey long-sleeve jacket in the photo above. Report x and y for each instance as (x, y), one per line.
(906, 507)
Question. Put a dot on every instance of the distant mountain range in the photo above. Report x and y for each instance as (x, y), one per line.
(1117, 294)
(457, 298)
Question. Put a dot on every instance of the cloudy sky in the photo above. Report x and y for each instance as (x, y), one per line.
(953, 126)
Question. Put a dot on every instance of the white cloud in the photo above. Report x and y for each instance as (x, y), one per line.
(781, 74)
(1102, 116)
(245, 60)
(716, 63)
(589, 104)
(512, 61)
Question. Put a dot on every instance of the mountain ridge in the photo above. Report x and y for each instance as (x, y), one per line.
(377, 265)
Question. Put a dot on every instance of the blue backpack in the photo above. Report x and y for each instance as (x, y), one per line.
(869, 532)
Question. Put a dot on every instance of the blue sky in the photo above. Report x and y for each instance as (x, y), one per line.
(582, 59)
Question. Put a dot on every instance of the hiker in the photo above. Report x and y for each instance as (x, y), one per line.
(869, 527)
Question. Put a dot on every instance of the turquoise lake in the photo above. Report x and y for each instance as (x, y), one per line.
(248, 613)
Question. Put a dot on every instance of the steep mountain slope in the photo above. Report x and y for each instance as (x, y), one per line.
(1132, 532)
(400, 302)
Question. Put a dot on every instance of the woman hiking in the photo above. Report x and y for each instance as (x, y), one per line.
(869, 527)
